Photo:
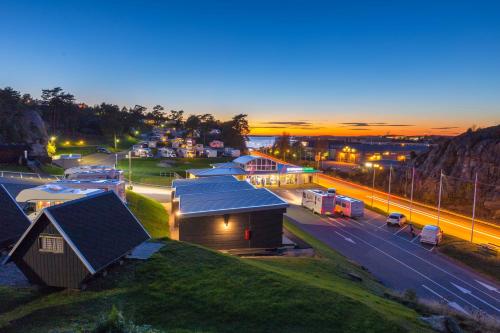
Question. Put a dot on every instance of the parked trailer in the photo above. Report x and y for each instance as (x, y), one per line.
(349, 207)
(321, 202)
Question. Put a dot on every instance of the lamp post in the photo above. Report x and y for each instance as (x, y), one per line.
(473, 209)
(411, 192)
(439, 199)
(389, 193)
(373, 181)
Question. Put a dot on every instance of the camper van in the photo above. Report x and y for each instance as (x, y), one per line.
(118, 186)
(349, 207)
(35, 199)
(320, 202)
(93, 172)
(167, 152)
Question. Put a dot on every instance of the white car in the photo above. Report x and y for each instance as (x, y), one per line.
(431, 234)
(396, 219)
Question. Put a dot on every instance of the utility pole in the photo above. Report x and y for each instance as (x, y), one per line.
(389, 194)
(439, 199)
(373, 184)
(411, 192)
(130, 168)
(474, 209)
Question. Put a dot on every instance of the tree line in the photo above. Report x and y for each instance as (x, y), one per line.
(63, 116)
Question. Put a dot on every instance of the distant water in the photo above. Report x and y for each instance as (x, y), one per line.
(257, 142)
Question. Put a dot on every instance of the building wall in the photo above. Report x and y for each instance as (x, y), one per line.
(210, 231)
(52, 269)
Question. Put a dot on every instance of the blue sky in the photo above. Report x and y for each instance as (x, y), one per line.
(316, 64)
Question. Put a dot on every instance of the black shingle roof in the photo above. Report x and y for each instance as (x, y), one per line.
(13, 222)
(100, 226)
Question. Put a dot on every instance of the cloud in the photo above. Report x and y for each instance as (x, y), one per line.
(444, 128)
(363, 124)
(289, 123)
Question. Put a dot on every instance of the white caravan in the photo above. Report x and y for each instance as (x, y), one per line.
(321, 202)
(37, 198)
(350, 207)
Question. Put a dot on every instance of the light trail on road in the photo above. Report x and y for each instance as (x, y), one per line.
(452, 223)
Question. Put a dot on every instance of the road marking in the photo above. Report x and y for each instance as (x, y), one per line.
(411, 268)
(383, 225)
(468, 292)
(346, 238)
(336, 221)
(453, 305)
(415, 238)
(401, 229)
(487, 286)
(428, 262)
(434, 217)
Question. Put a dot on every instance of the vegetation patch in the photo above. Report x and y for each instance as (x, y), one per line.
(473, 255)
(187, 288)
(151, 213)
(160, 171)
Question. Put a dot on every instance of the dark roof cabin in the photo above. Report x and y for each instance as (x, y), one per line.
(13, 222)
(71, 242)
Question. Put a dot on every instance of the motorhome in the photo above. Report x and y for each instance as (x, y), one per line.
(318, 201)
(35, 199)
(118, 186)
(142, 152)
(167, 152)
(210, 152)
(349, 207)
(93, 172)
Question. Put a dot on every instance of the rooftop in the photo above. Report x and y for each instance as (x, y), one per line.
(216, 179)
(207, 187)
(209, 172)
(238, 201)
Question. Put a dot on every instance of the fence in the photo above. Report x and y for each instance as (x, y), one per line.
(27, 176)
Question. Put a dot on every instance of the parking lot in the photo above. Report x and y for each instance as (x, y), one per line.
(397, 258)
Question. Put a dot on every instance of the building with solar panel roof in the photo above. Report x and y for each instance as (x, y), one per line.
(227, 214)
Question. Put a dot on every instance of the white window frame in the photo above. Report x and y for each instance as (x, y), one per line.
(57, 244)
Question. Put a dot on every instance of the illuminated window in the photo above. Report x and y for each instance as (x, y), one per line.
(53, 244)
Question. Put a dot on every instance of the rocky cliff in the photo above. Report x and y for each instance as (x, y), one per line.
(460, 158)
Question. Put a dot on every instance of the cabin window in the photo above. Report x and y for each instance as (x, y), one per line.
(53, 244)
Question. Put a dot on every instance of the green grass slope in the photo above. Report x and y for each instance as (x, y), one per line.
(191, 289)
(151, 213)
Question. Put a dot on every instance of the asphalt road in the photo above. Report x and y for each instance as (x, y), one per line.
(451, 223)
(101, 159)
(399, 261)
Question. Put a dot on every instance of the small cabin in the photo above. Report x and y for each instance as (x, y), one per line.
(70, 243)
(13, 222)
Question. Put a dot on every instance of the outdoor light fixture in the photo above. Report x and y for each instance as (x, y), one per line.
(226, 221)
(52, 138)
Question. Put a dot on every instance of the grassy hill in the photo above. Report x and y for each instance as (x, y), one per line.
(187, 288)
(151, 213)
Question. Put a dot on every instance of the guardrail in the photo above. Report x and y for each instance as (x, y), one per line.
(27, 175)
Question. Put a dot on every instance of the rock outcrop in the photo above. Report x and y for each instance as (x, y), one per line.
(460, 158)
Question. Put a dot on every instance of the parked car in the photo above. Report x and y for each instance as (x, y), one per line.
(103, 150)
(396, 219)
(431, 234)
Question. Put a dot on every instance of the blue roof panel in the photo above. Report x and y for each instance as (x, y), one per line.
(206, 187)
(218, 203)
(189, 181)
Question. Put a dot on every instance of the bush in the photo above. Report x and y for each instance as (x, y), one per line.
(115, 322)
